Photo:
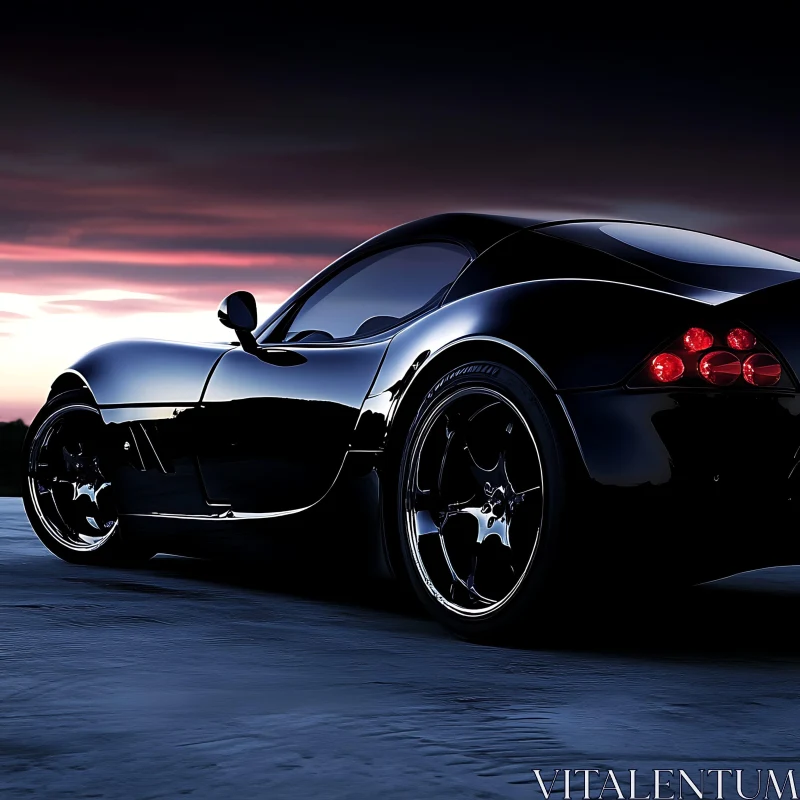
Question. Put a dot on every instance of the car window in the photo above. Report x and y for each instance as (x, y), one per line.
(378, 292)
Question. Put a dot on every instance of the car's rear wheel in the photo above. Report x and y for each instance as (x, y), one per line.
(481, 501)
(68, 491)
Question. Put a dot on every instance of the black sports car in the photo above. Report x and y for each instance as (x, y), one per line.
(488, 408)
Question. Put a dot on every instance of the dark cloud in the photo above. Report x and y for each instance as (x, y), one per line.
(301, 142)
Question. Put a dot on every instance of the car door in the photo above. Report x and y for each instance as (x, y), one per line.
(277, 424)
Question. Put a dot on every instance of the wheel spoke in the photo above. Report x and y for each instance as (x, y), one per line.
(72, 461)
(453, 574)
(518, 498)
(487, 526)
(467, 585)
(425, 523)
(455, 448)
(496, 475)
(480, 475)
(474, 593)
(451, 434)
(43, 470)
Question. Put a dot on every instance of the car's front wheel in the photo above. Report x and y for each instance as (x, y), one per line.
(481, 501)
(68, 492)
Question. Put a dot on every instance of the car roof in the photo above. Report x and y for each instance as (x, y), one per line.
(476, 231)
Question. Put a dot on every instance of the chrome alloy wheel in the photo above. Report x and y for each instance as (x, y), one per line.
(473, 500)
(70, 492)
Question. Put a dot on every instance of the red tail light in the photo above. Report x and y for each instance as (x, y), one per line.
(666, 367)
(697, 339)
(740, 339)
(761, 369)
(720, 368)
(729, 356)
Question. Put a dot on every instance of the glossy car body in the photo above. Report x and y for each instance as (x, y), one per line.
(291, 447)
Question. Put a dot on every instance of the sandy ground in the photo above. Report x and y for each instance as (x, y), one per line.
(184, 679)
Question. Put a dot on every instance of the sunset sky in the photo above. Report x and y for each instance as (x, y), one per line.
(143, 178)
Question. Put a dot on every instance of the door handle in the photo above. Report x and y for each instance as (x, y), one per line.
(280, 358)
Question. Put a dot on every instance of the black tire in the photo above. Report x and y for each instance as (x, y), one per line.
(489, 393)
(66, 451)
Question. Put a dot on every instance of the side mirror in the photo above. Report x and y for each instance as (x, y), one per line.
(239, 311)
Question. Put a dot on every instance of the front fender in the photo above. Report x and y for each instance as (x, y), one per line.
(148, 371)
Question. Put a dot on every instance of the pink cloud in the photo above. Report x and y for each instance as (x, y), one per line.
(100, 205)
(44, 253)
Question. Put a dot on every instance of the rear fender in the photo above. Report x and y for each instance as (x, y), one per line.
(566, 335)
